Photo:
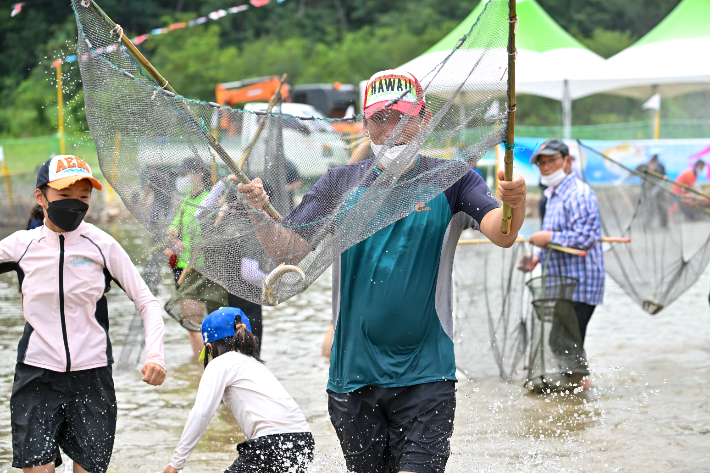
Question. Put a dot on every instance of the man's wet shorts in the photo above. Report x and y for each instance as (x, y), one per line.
(395, 429)
(74, 412)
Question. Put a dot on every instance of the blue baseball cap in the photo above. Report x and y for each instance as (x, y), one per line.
(220, 324)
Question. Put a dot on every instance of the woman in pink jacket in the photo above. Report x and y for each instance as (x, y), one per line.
(63, 395)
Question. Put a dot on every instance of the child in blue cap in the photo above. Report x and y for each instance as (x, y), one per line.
(278, 438)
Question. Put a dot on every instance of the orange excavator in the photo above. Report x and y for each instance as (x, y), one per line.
(240, 92)
(259, 89)
(332, 100)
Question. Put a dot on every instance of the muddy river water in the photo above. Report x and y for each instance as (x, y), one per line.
(649, 411)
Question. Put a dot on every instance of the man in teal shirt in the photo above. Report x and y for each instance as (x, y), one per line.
(392, 371)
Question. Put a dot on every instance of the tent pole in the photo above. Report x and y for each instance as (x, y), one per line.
(512, 105)
(566, 112)
(656, 117)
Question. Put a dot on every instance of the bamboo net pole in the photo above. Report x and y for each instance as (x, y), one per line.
(163, 83)
(6, 174)
(274, 100)
(564, 249)
(510, 135)
(523, 239)
(60, 107)
(552, 246)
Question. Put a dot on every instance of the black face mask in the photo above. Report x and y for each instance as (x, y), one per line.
(67, 214)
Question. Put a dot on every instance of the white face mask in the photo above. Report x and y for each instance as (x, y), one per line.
(183, 184)
(391, 160)
(554, 179)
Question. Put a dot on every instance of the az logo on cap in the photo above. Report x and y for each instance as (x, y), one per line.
(64, 170)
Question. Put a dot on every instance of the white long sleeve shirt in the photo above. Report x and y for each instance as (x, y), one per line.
(257, 400)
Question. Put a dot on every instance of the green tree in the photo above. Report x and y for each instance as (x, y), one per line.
(607, 43)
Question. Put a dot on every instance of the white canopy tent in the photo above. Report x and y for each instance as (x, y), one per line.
(549, 63)
(672, 59)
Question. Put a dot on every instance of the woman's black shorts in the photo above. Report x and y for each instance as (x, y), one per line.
(74, 411)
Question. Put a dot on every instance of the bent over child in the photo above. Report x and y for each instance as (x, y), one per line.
(278, 437)
(63, 394)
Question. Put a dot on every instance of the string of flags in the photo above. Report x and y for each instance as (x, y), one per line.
(215, 15)
(16, 8)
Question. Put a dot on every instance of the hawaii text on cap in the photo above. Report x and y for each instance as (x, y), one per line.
(387, 86)
(64, 170)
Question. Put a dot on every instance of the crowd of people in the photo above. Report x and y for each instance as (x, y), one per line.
(391, 388)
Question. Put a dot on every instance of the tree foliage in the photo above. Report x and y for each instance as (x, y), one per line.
(311, 40)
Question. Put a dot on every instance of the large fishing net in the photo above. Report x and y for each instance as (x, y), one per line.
(145, 135)
(491, 310)
(670, 237)
(522, 326)
(514, 326)
(556, 350)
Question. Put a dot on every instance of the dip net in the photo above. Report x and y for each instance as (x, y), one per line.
(555, 340)
(511, 325)
(148, 138)
(491, 311)
(670, 239)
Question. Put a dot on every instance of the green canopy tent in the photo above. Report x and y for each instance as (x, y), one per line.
(672, 59)
(548, 63)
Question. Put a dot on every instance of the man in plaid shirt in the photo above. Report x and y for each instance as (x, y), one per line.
(571, 220)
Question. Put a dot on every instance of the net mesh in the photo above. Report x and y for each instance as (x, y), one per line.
(503, 330)
(670, 237)
(555, 340)
(491, 312)
(145, 137)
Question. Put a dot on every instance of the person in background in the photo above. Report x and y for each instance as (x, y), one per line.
(660, 200)
(654, 164)
(157, 183)
(36, 218)
(278, 438)
(196, 295)
(571, 220)
(556, 144)
(293, 183)
(63, 395)
(215, 212)
(689, 177)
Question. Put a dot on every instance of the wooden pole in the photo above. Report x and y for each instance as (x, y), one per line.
(523, 239)
(510, 135)
(564, 249)
(163, 83)
(6, 174)
(497, 148)
(657, 126)
(274, 100)
(60, 107)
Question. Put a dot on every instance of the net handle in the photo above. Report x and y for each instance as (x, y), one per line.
(163, 83)
(523, 239)
(510, 135)
(274, 100)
